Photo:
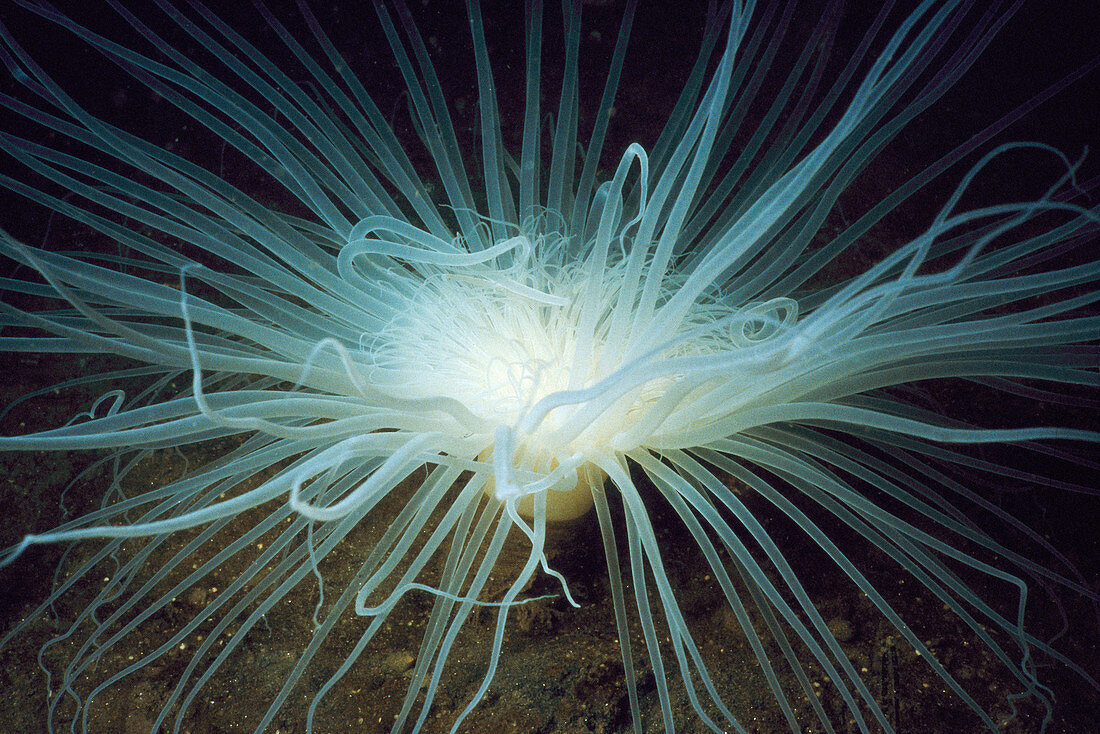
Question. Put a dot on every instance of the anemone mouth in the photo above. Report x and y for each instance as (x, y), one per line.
(463, 335)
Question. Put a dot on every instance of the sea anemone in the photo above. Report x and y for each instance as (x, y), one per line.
(413, 382)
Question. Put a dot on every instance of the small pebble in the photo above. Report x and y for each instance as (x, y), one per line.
(399, 661)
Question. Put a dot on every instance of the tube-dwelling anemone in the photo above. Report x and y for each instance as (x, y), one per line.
(420, 356)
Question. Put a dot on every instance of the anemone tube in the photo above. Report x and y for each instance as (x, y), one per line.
(525, 346)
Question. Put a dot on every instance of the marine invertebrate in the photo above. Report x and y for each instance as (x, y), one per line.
(519, 342)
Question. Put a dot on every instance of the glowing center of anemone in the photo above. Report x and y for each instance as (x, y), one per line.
(499, 340)
(515, 378)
